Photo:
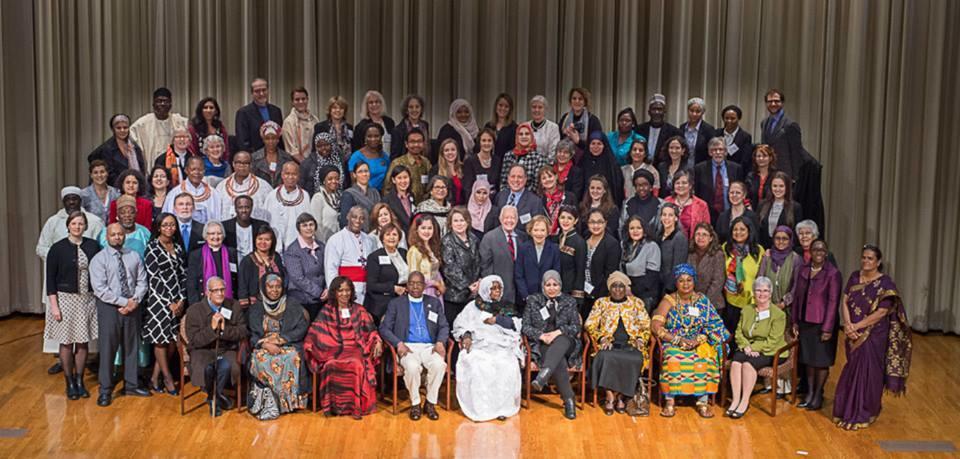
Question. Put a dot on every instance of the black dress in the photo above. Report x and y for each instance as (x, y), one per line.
(618, 368)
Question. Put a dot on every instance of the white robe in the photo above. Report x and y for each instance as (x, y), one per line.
(343, 250)
(283, 218)
(488, 376)
(227, 208)
(154, 136)
(208, 210)
(53, 231)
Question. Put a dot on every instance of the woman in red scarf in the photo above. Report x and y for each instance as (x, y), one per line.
(343, 349)
(525, 154)
(553, 195)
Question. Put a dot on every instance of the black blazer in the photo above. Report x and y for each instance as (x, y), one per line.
(62, 273)
(744, 142)
(666, 180)
(248, 278)
(704, 133)
(763, 232)
(605, 260)
(110, 153)
(393, 202)
(703, 182)
(574, 183)
(573, 262)
(667, 131)
(230, 230)
(358, 137)
(722, 225)
(396, 322)
(248, 123)
(196, 236)
(753, 188)
(529, 205)
(381, 278)
(786, 143)
(195, 287)
(506, 138)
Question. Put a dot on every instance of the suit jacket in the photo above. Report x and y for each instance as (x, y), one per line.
(705, 132)
(230, 230)
(528, 272)
(201, 339)
(763, 232)
(744, 142)
(785, 139)
(396, 322)
(248, 123)
(495, 259)
(381, 278)
(666, 132)
(394, 203)
(195, 287)
(196, 236)
(530, 204)
(703, 182)
(605, 260)
(110, 153)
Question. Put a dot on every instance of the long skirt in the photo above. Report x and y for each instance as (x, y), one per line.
(686, 373)
(860, 386)
(617, 370)
(345, 386)
(488, 384)
(281, 373)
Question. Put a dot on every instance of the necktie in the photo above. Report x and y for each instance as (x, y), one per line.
(124, 285)
(718, 192)
(185, 233)
(513, 250)
(513, 199)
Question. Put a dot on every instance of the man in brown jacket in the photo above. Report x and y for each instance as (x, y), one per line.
(212, 318)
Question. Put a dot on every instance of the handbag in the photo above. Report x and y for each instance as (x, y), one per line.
(263, 403)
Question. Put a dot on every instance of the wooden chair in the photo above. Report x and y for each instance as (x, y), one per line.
(531, 367)
(182, 344)
(774, 372)
(652, 348)
(723, 363)
(398, 373)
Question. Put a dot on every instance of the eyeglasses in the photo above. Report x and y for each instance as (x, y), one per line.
(216, 290)
(595, 222)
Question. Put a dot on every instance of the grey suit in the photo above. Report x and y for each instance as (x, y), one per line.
(785, 139)
(495, 258)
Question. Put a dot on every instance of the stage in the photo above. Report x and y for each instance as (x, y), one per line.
(36, 419)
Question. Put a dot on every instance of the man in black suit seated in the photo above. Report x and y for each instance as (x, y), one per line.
(712, 178)
(783, 135)
(251, 116)
(416, 325)
(190, 229)
(239, 230)
(657, 130)
(517, 195)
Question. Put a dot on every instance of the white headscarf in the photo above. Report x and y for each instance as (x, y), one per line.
(469, 130)
(485, 284)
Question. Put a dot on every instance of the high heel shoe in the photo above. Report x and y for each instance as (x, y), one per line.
(738, 415)
(157, 387)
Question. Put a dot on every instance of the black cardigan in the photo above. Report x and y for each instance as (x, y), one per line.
(381, 278)
(573, 262)
(195, 287)
(605, 260)
(62, 272)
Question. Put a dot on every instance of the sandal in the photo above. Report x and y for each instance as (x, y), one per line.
(620, 406)
(704, 411)
(608, 408)
(669, 410)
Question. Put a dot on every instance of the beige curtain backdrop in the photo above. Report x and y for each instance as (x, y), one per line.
(872, 84)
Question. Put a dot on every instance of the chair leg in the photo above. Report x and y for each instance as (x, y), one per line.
(526, 385)
(183, 391)
(773, 394)
(394, 391)
(583, 388)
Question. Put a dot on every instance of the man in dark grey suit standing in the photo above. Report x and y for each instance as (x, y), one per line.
(517, 195)
(498, 251)
(119, 283)
(416, 325)
(782, 134)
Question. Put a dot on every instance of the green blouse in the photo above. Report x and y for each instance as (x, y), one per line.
(762, 335)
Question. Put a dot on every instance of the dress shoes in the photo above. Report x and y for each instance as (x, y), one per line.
(569, 409)
(71, 387)
(541, 380)
(415, 413)
(214, 413)
(137, 392)
(56, 368)
(431, 411)
(225, 402)
(104, 400)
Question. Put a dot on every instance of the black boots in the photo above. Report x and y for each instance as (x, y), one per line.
(79, 387)
(541, 380)
(569, 408)
(71, 387)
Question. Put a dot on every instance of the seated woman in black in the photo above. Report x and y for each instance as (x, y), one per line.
(264, 259)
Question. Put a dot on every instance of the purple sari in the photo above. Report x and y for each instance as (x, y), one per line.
(879, 359)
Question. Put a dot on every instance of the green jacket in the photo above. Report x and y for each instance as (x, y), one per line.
(763, 336)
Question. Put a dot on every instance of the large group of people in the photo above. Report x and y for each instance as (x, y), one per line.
(307, 252)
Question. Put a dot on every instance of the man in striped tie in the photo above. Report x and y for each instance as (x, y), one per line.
(498, 251)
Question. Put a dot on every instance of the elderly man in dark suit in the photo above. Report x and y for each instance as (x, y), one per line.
(712, 178)
(657, 130)
(517, 195)
(416, 325)
(783, 135)
(498, 251)
(251, 116)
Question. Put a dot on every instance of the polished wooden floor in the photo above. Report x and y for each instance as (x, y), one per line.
(36, 419)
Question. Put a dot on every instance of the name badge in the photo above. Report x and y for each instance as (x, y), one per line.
(693, 311)
(732, 148)
(273, 167)
(588, 287)
(424, 179)
(432, 316)
(763, 315)
(544, 313)
(226, 313)
(525, 218)
(384, 260)
(233, 267)
(344, 313)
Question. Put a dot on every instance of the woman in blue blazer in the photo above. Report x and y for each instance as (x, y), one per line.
(529, 268)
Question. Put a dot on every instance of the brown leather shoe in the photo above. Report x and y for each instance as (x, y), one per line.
(415, 413)
(431, 411)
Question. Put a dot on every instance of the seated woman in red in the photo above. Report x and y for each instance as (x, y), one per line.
(343, 349)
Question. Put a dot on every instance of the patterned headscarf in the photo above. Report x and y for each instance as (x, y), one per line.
(685, 268)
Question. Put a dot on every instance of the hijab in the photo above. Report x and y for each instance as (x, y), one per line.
(519, 151)
(478, 212)
(468, 131)
(780, 256)
(486, 302)
(273, 308)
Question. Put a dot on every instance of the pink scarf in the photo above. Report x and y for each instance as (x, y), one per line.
(210, 270)
(478, 212)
